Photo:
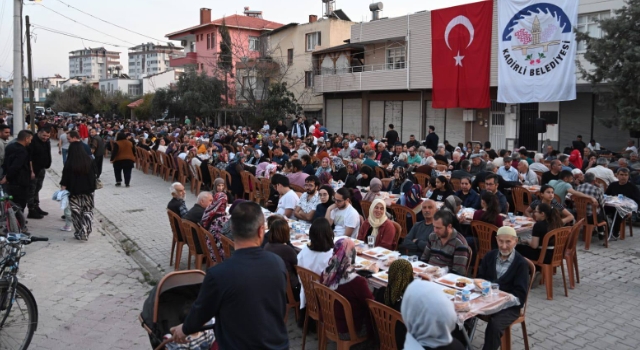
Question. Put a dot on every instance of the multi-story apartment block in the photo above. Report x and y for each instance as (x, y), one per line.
(147, 59)
(202, 43)
(383, 75)
(94, 64)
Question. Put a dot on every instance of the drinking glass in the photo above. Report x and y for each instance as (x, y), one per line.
(413, 258)
(371, 241)
(495, 289)
(486, 288)
(512, 218)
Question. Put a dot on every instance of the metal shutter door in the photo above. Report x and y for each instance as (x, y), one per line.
(411, 120)
(376, 119)
(334, 116)
(352, 115)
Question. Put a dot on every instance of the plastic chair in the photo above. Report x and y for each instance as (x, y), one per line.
(297, 188)
(385, 183)
(396, 238)
(227, 245)
(442, 167)
(246, 185)
(178, 240)
(484, 234)
(266, 189)
(170, 167)
(380, 173)
(571, 254)
(191, 233)
(226, 177)
(623, 227)
(291, 301)
(580, 204)
(385, 320)
(365, 208)
(401, 212)
(421, 179)
(327, 300)
(561, 237)
(196, 183)
(307, 277)
(519, 194)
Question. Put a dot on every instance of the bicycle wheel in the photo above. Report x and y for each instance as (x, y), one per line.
(19, 320)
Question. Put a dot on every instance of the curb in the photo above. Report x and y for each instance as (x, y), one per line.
(146, 264)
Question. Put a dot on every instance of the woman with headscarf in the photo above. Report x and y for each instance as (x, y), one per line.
(400, 182)
(375, 186)
(235, 169)
(378, 226)
(353, 175)
(266, 170)
(453, 204)
(400, 275)
(340, 276)
(339, 170)
(325, 167)
(366, 174)
(213, 220)
(257, 157)
(226, 229)
(325, 179)
(325, 193)
(429, 317)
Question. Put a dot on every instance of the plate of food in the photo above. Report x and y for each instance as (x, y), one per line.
(449, 292)
(454, 281)
(382, 275)
(379, 253)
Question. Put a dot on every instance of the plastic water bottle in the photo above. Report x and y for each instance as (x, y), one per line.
(403, 200)
(620, 197)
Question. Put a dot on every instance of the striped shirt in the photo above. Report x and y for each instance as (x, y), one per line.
(454, 254)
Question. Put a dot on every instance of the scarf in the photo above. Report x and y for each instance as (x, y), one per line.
(340, 270)
(414, 196)
(402, 175)
(216, 209)
(338, 163)
(428, 315)
(400, 275)
(376, 222)
(375, 186)
(218, 181)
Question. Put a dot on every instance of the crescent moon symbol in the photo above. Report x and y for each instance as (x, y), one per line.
(454, 22)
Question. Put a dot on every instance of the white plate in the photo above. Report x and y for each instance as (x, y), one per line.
(454, 278)
(379, 252)
(382, 276)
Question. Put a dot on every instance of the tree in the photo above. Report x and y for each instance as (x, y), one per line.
(615, 58)
(194, 95)
(225, 58)
(280, 102)
(144, 111)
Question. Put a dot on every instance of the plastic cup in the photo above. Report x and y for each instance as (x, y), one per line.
(466, 295)
(495, 290)
(486, 288)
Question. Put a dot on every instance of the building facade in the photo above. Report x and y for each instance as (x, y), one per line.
(94, 64)
(202, 43)
(383, 76)
(147, 59)
(131, 87)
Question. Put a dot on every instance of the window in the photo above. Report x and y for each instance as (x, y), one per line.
(308, 79)
(254, 43)
(313, 40)
(396, 58)
(208, 41)
(587, 23)
(290, 56)
(212, 41)
(248, 85)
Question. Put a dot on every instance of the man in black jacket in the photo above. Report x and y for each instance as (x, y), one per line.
(177, 204)
(432, 139)
(40, 155)
(195, 213)
(17, 169)
(246, 294)
(506, 267)
(392, 136)
(97, 148)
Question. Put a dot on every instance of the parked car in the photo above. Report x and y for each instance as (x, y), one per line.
(167, 119)
(63, 114)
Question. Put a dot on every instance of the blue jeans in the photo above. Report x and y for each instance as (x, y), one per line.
(65, 152)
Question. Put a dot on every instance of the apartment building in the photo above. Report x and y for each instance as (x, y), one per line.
(202, 42)
(292, 46)
(147, 59)
(383, 75)
(93, 63)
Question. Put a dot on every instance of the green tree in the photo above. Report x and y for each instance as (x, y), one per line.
(194, 95)
(225, 57)
(280, 102)
(144, 111)
(614, 59)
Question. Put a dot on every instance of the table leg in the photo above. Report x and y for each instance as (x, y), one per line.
(613, 223)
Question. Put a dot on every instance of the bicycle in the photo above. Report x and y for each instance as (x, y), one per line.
(11, 218)
(17, 327)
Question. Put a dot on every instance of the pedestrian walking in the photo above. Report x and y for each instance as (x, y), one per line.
(40, 156)
(97, 148)
(63, 144)
(16, 168)
(123, 158)
(79, 178)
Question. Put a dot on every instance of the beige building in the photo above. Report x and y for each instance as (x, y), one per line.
(383, 75)
(292, 47)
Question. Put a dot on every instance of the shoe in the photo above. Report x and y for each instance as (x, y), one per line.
(76, 235)
(127, 185)
(65, 228)
(62, 217)
(42, 212)
(601, 236)
(118, 184)
(34, 214)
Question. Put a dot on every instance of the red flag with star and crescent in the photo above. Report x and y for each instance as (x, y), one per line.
(461, 55)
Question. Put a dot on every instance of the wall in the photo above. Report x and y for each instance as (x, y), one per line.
(152, 83)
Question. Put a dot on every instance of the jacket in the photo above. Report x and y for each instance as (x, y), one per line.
(40, 154)
(123, 150)
(515, 281)
(386, 234)
(78, 184)
(16, 165)
(97, 145)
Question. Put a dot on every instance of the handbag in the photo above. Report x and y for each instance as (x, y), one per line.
(98, 184)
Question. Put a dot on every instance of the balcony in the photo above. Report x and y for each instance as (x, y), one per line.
(182, 59)
(390, 76)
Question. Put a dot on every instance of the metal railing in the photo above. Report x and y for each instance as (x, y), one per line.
(365, 68)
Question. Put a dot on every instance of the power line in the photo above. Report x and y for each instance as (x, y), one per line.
(55, 31)
(84, 25)
(113, 24)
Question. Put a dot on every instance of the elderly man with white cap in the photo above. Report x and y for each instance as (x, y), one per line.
(506, 267)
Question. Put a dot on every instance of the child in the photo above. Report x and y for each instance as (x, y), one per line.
(197, 341)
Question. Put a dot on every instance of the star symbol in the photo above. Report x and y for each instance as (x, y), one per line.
(458, 59)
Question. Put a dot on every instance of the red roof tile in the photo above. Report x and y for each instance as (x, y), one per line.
(235, 21)
(135, 103)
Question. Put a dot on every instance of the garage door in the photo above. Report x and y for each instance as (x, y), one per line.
(411, 120)
(393, 115)
(334, 116)
(352, 115)
(455, 127)
(376, 119)
(435, 117)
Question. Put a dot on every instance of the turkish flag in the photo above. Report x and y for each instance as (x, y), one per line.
(461, 55)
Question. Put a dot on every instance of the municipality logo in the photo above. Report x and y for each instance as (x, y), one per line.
(537, 40)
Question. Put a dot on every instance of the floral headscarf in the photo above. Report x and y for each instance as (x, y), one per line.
(340, 270)
(325, 178)
(354, 153)
(338, 163)
(397, 183)
(414, 197)
(375, 186)
(217, 207)
(355, 167)
(213, 220)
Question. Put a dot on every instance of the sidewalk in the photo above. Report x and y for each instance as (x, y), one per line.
(600, 313)
(89, 294)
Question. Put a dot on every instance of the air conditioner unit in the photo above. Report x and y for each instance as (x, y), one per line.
(469, 115)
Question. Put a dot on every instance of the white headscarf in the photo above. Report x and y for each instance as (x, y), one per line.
(428, 314)
(376, 222)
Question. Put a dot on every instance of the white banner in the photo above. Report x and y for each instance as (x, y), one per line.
(537, 50)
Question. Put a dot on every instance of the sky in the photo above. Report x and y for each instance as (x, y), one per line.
(153, 18)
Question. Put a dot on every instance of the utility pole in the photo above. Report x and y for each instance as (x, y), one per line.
(32, 104)
(18, 101)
